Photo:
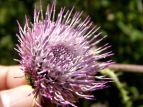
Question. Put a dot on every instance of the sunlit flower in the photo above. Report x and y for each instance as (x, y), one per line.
(58, 58)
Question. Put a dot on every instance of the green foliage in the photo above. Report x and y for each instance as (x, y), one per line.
(121, 20)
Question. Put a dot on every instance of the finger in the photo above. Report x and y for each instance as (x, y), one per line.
(7, 77)
(16, 97)
(8, 81)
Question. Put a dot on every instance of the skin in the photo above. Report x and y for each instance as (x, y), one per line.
(13, 84)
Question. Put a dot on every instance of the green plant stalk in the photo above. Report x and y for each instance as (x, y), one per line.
(124, 93)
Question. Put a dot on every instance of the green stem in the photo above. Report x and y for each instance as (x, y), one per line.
(124, 93)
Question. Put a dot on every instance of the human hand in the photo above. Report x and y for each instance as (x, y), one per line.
(14, 91)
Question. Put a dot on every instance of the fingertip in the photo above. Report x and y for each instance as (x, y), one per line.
(15, 77)
(17, 97)
(7, 77)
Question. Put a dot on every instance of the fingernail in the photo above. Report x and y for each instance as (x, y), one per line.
(5, 99)
(17, 97)
(8, 98)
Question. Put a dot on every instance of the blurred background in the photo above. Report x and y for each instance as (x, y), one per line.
(121, 20)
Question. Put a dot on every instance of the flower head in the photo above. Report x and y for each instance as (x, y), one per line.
(57, 56)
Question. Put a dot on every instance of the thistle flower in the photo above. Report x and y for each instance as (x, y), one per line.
(57, 56)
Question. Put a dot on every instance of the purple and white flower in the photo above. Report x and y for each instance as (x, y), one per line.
(58, 58)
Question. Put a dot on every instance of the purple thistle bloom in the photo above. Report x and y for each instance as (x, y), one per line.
(57, 56)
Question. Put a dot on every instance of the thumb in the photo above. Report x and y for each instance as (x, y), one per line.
(17, 97)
